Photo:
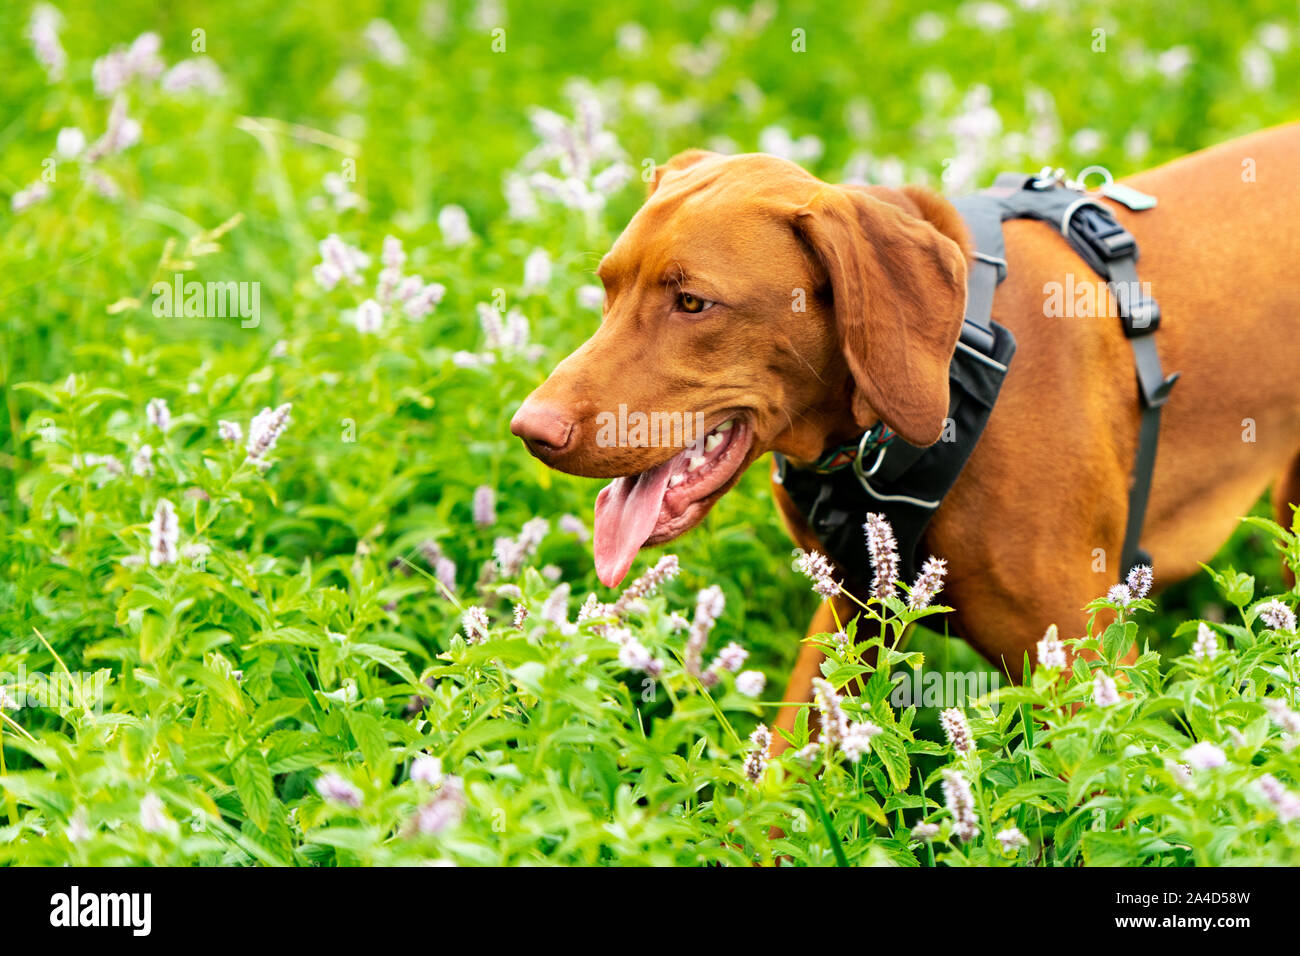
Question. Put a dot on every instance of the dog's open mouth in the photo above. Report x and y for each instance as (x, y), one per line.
(659, 504)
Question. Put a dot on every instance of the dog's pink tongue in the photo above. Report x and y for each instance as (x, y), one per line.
(626, 512)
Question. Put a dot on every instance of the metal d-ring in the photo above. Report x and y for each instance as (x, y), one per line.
(875, 466)
(1088, 171)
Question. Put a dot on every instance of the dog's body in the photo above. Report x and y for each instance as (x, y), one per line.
(1033, 528)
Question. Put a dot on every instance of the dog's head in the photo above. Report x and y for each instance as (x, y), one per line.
(749, 307)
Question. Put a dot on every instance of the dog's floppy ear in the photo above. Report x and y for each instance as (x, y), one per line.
(899, 288)
(682, 160)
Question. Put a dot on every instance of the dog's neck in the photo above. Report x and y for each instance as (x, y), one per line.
(822, 428)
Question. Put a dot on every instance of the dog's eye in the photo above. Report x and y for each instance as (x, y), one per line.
(692, 304)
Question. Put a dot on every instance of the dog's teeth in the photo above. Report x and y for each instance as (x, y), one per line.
(725, 426)
(676, 480)
(696, 462)
(713, 441)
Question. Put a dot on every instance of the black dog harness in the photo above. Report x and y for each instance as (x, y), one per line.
(882, 473)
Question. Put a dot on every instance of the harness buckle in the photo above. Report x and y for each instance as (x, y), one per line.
(1103, 234)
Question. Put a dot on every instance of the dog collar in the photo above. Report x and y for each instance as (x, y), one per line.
(871, 441)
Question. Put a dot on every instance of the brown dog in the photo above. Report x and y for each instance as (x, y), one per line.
(701, 316)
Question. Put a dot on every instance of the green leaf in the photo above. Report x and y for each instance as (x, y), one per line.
(393, 660)
(1109, 849)
(1046, 793)
(843, 673)
(865, 803)
(369, 735)
(274, 711)
(154, 638)
(893, 754)
(1237, 587)
(255, 787)
(1015, 695)
(1069, 750)
(46, 392)
(1117, 639)
(1085, 775)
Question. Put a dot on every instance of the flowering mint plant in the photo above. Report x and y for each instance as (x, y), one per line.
(1107, 755)
(394, 292)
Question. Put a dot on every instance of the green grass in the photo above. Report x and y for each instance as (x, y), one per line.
(307, 634)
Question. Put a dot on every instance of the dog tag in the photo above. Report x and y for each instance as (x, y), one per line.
(1137, 201)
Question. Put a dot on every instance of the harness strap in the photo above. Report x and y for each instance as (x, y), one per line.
(1141, 318)
(908, 483)
(984, 222)
(1111, 251)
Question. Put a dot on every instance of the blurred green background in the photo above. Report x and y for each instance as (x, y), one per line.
(433, 116)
